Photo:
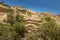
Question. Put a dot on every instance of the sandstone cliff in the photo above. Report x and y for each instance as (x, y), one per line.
(34, 19)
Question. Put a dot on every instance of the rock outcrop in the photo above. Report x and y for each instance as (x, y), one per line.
(33, 19)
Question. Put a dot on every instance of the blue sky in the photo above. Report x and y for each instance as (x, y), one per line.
(37, 5)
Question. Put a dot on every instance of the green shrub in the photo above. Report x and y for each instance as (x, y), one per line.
(33, 37)
(18, 25)
(19, 18)
(20, 28)
(49, 29)
(29, 13)
(7, 32)
(2, 2)
(15, 32)
(10, 18)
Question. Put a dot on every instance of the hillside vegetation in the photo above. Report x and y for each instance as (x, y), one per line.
(18, 23)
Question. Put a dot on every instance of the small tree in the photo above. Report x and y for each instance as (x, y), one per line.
(20, 28)
(49, 29)
(10, 18)
(2, 2)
